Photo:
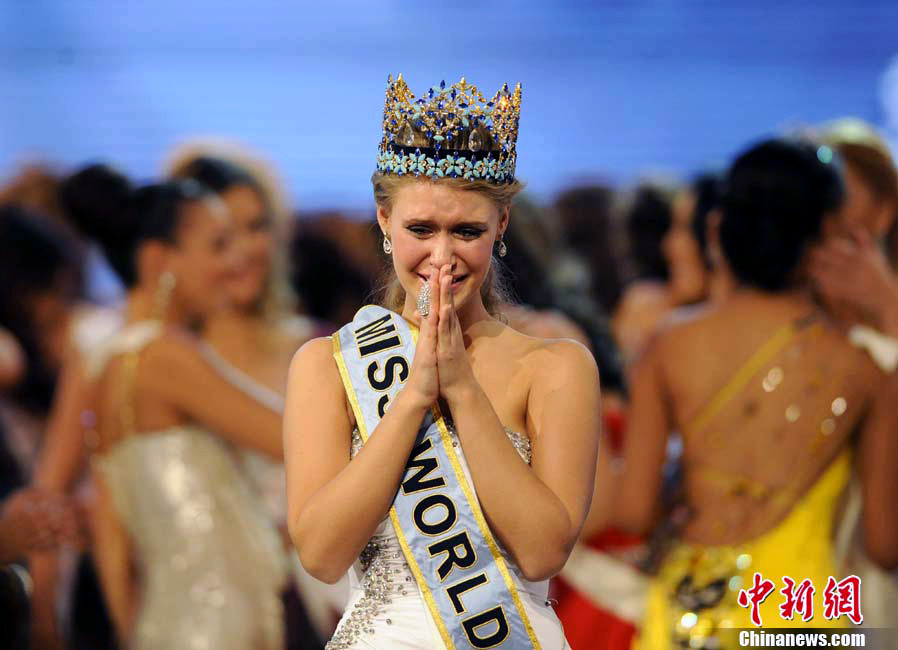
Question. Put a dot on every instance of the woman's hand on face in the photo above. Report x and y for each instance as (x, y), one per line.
(423, 384)
(455, 372)
(854, 271)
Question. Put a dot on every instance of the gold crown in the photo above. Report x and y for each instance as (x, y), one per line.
(450, 132)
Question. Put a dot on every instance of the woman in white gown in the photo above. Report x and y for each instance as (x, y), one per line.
(258, 333)
(186, 555)
(515, 419)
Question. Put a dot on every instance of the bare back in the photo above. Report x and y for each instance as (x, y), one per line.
(766, 394)
(162, 380)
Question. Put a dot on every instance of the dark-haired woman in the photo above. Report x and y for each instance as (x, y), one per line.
(40, 270)
(766, 394)
(187, 558)
(646, 299)
(683, 247)
(258, 331)
(93, 200)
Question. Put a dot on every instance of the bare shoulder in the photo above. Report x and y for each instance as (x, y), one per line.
(568, 357)
(683, 330)
(313, 369)
(315, 356)
(644, 294)
(170, 352)
(551, 355)
(315, 378)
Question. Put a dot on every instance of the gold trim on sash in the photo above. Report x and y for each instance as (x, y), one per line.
(473, 503)
(347, 385)
(481, 523)
(394, 517)
(478, 514)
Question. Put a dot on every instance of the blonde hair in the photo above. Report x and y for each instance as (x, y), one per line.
(493, 291)
(277, 300)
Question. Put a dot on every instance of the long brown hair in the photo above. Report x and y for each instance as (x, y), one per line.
(493, 292)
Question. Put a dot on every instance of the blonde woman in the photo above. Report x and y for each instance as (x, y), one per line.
(442, 458)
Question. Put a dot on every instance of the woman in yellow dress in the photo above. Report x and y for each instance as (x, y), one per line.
(767, 395)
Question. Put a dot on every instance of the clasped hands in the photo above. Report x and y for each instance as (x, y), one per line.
(441, 367)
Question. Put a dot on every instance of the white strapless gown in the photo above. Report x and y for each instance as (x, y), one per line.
(386, 611)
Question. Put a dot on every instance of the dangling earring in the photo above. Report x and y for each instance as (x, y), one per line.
(388, 245)
(164, 287)
(503, 249)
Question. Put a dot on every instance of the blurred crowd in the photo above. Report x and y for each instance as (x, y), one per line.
(213, 280)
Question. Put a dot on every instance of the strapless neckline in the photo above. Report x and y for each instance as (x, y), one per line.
(383, 588)
(520, 441)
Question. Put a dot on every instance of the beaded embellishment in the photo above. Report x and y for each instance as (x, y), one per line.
(386, 574)
(450, 132)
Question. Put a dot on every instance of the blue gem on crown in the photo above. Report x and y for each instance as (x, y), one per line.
(450, 132)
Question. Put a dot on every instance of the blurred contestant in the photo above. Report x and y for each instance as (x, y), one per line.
(257, 332)
(766, 392)
(448, 454)
(185, 554)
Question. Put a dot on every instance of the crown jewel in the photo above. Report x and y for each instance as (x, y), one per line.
(450, 132)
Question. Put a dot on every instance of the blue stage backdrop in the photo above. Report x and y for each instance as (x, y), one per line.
(611, 89)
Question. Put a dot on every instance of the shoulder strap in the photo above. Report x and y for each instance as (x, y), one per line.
(129, 342)
(240, 380)
(762, 356)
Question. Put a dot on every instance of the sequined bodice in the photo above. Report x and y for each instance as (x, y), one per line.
(521, 442)
(383, 574)
(211, 565)
(383, 554)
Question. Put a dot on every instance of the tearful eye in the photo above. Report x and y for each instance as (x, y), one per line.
(470, 233)
(419, 230)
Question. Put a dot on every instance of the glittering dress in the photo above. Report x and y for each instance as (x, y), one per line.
(386, 610)
(211, 566)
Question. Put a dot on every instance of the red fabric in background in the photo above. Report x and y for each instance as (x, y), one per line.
(586, 626)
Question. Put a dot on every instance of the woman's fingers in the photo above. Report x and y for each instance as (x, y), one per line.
(425, 330)
(454, 324)
(428, 329)
(434, 282)
(445, 306)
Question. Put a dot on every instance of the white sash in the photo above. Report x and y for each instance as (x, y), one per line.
(442, 531)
